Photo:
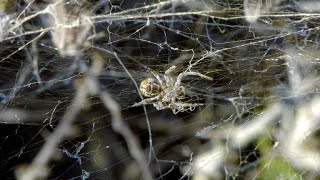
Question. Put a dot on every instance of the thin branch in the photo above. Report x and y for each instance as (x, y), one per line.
(38, 168)
(118, 124)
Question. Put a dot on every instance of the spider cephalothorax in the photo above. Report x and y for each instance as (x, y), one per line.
(166, 92)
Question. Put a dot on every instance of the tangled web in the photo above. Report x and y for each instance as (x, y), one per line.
(176, 89)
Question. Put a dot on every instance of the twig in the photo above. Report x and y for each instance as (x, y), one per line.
(117, 123)
(38, 168)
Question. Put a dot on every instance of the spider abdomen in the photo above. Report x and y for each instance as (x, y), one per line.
(150, 87)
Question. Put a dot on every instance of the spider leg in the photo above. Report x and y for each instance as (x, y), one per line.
(184, 74)
(156, 75)
(181, 107)
(168, 76)
(178, 82)
(170, 70)
(146, 101)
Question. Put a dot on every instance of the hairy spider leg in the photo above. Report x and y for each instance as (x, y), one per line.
(170, 70)
(156, 75)
(168, 76)
(147, 101)
(184, 74)
(181, 107)
(177, 86)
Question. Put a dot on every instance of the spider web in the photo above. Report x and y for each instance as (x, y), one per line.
(70, 73)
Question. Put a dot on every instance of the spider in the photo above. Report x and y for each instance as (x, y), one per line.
(166, 92)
